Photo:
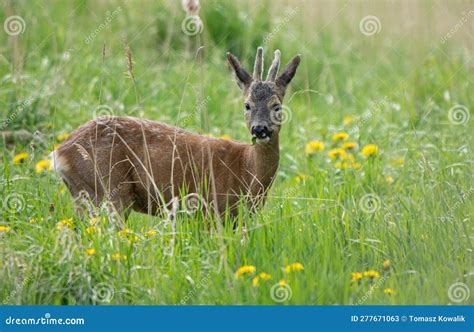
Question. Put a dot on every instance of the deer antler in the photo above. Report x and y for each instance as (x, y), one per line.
(110, 158)
(273, 71)
(258, 67)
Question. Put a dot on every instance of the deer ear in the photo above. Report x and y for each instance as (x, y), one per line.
(243, 78)
(290, 70)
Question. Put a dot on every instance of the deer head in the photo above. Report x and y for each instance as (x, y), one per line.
(263, 99)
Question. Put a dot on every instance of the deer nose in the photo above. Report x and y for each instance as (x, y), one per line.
(260, 131)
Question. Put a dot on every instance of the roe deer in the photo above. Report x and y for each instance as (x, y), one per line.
(143, 165)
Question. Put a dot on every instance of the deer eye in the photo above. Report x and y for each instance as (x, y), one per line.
(277, 108)
(247, 106)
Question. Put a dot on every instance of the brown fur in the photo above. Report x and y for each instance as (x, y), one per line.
(142, 165)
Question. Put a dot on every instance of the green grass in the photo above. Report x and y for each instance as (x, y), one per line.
(404, 79)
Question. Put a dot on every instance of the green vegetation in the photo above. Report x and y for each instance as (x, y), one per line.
(410, 202)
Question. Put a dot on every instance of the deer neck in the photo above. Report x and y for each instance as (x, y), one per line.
(264, 164)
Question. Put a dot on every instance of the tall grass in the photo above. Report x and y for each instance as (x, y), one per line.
(397, 84)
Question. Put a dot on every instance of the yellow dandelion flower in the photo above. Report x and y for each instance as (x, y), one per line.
(255, 281)
(348, 157)
(389, 179)
(371, 274)
(386, 264)
(63, 137)
(96, 220)
(117, 256)
(349, 146)
(282, 283)
(246, 269)
(35, 220)
(388, 291)
(369, 150)
(125, 232)
(151, 233)
(264, 276)
(225, 137)
(342, 165)
(313, 147)
(347, 161)
(91, 229)
(90, 251)
(347, 120)
(65, 223)
(43, 165)
(337, 153)
(20, 158)
(356, 276)
(342, 136)
(260, 276)
(4, 229)
(397, 162)
(128, 234)
(294, 267)
(300, 178)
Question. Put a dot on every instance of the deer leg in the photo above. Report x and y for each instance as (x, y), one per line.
(82, 193)
(89, 201)
(84, 206)
(119, 201)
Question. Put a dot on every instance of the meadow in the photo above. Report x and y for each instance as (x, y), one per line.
(373, 199)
